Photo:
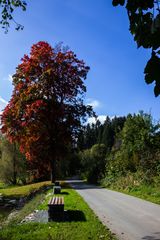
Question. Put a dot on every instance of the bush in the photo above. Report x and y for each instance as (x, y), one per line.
(93, 162)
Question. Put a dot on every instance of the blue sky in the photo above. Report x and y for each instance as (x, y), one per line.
(98, 34)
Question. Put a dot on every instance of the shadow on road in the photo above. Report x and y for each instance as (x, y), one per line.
(156, 236)
(80, 184)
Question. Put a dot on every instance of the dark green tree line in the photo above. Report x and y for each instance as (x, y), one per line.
(99, 133)
(131, 146)
(13, 166)
(95, 142)
(138, 148)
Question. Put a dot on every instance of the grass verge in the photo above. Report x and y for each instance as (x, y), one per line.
(127, 185)
(23, 191)
(145, 192)
(83, 224)
(28, 208)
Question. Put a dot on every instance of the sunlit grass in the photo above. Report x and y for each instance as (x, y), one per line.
(146, 191)
(21, 191)
(2, 185)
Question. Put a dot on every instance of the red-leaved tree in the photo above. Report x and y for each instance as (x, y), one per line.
(46, 109)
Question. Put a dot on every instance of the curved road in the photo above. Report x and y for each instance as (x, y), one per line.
(130, 218)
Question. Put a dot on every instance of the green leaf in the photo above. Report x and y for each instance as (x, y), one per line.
(149, 78)
(122, 2)
(157, 90)
(116, 2)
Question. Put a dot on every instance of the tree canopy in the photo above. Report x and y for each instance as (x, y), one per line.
(138, 150)
(46, 109)
(144, 18)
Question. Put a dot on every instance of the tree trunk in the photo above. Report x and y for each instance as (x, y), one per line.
(53, 171)
(14, 165)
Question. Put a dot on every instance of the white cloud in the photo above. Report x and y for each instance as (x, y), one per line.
(93, 102)
(3, 103)
(10, 78)
(101, 118)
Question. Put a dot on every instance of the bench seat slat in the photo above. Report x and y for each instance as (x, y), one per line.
(56, 201)
(52, 202)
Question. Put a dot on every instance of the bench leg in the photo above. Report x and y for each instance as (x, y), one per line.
(55, 215)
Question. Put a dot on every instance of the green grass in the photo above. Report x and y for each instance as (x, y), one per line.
(3, 215)
(22, 191)
(82, 224)
(149, 192)
(2, 185)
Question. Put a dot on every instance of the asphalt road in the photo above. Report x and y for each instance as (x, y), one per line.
(130, 218)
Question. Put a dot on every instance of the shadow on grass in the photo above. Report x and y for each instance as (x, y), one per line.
(69, 216)
(64, 193)
(74, 216)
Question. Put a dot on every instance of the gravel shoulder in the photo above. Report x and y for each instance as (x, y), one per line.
(130, 218)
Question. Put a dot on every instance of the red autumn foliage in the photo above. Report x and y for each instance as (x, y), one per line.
(45, 111)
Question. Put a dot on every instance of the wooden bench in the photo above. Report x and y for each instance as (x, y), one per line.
(57, 188)
(56, 209)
